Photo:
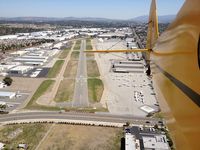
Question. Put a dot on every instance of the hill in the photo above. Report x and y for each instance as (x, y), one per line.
(161, 19)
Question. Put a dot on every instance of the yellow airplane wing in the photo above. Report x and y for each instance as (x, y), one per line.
(153, 33)
(176, 76)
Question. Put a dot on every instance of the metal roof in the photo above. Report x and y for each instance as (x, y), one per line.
(6, 94)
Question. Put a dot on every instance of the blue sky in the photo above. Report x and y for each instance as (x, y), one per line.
(115, 9)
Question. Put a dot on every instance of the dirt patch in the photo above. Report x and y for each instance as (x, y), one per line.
(77, 45)
(82, 137)
(65, 91)
(46, 99)
(71, 69)
(14, 134)
(90, 56)
(89, 44)
(64, 54)
(75, 55)
(24, 84)
(29, 134)
(92, 68)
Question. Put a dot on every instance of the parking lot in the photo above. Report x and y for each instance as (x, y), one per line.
(34, 73)
(24, 87)
(14, 103)
(128, 89)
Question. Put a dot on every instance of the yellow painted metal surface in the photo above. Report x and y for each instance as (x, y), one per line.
(152, 33)
(176, 52)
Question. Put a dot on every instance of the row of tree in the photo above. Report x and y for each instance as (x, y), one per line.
(5, 30)
(19, 45)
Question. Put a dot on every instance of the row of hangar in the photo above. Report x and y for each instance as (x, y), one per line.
(24, 61)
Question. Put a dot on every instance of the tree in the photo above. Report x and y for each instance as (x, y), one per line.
(8, 81)
(156, 126)
(148, 72)
(127, 124)
(2, 107)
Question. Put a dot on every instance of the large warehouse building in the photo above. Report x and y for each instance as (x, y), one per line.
(7, 95)
(20, 69)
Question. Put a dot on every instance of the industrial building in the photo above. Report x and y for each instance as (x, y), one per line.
(2, 85)
(2, 146)
(7, 95)
(127, 67)
(148, 109)
(112, 35)
(140, 66)
(6, 67)
(22, 63)
(131, 44)
(141, 138)
(33, 63)
(133, 57)
(20, 69)
(18, 53)
(58, 45)
(127, 70)
(29, 60)
(34, 57)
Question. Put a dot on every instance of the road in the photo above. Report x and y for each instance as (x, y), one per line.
(81, 86)
(137, 39)
(75, 116)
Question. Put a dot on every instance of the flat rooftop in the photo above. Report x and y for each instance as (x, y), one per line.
(148, 139)
(158, 142)
(130, 142)
(147, 109)
(29, 60)
(6, 94)
(21, 68)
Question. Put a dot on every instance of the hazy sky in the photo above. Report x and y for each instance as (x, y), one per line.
(115, 9)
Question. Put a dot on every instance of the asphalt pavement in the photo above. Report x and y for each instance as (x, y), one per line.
(77, 116)
(81, 86)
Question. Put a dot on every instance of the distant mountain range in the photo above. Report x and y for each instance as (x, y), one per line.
(43, 19)
(142, 19)
(161, 19)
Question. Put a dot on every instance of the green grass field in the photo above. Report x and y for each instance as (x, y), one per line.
(65, 91)
(90, 56)
(45, 85)
(64, 54)
(88, 44)
(71, 69)
(77, 45)
(75, 55)
(92, 69)
(53, 72)
(95, 89)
